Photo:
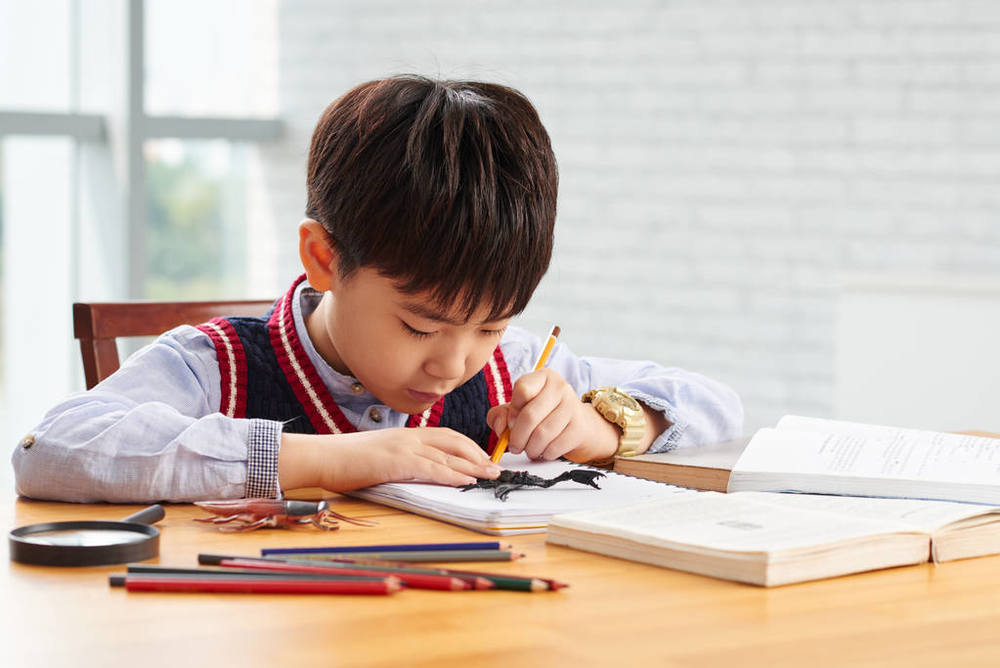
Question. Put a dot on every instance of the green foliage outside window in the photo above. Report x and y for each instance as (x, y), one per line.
(187, 235)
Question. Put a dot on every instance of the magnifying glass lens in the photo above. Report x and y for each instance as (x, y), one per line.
(84, 537)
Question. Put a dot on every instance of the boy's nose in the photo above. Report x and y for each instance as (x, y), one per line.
(448, 364)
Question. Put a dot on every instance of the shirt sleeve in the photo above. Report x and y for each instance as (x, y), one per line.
(699, 410)
(150, 432)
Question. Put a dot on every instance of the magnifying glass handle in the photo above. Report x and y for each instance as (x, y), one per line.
(150, 515)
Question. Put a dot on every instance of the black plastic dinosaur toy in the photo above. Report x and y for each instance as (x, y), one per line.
(511, 480)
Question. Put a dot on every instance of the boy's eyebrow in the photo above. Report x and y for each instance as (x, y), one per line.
(424, 311)
(429, 313)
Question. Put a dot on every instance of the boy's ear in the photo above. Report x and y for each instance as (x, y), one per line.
(318, 258)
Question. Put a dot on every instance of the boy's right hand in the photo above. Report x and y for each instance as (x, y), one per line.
(343, 462)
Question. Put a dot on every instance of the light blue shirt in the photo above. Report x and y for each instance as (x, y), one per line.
(153, 431)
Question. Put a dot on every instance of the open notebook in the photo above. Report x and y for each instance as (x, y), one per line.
(526, 510)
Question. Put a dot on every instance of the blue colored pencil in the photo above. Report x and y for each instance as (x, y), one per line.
(415, 547)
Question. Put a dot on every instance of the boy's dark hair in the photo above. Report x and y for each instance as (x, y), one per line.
(448, 187)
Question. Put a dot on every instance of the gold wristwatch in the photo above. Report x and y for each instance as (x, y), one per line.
(619, 408)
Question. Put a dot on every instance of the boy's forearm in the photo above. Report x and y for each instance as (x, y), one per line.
(300, 462)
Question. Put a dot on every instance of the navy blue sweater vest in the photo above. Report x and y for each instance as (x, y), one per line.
(267, 374)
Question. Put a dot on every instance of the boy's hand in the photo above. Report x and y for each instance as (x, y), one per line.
(344, 462)
(547, 420)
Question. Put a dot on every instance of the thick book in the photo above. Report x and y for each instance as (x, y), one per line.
(704, 467)
(776, 539)
(526, 510)
(836, 457)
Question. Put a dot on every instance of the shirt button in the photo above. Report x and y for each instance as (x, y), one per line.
(28, 441)
(374, 415)
(357, 388)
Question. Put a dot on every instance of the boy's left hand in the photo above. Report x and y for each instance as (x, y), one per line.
(547, 420)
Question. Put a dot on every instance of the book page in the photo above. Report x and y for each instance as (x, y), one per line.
(727, 522)
(879, 452)
(928, 516)
(882, 432)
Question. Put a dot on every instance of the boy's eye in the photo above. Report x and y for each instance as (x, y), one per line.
(495, 332)
(415, 332)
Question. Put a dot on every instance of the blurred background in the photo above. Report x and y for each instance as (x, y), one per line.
(800, 198)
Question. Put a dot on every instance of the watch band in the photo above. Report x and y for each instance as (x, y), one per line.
(621, 409)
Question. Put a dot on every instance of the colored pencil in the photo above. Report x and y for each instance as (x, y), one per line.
(525, 583)
(479, 580)
(435, 581)
(415, 547)
(416, 557)
(178, 583)
(413, 577)
(168, 571)
(501, 446)
(500, 581)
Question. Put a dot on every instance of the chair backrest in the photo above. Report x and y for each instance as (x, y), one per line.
(98, 324)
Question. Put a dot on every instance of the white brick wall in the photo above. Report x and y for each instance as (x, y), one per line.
(722, 161)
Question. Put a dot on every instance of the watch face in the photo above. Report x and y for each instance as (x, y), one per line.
(624, 400)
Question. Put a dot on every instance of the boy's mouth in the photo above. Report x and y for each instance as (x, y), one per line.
(423, 397)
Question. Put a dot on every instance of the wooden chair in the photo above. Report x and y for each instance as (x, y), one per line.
(98, 325)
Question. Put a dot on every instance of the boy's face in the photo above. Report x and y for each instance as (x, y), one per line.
(405, 349)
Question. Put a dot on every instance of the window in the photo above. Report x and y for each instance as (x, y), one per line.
(127, 154)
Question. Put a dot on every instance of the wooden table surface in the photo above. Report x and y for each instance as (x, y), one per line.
(614, 611)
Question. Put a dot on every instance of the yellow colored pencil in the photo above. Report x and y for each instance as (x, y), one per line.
(542, 359)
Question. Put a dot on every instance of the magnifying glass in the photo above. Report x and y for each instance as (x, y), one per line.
(90, 542)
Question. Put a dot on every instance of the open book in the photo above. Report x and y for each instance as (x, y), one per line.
(526, 510)
(775, 539)
(835, 457)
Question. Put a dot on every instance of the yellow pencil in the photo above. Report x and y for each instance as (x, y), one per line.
(542, 359)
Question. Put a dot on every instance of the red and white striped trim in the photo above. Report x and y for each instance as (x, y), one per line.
(429, 418)
(497, 378)
(232, 366)
(323, 412)
(498, 386)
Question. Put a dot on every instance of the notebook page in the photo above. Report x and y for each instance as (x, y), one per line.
(530, 503)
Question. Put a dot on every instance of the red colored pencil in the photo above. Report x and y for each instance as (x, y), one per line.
(412, 580)
(388, 585)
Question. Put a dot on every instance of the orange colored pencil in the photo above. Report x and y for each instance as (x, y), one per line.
(550, 343)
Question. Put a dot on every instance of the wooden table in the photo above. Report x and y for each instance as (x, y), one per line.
(615, 612)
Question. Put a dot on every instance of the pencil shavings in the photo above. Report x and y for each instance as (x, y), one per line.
(508, 481)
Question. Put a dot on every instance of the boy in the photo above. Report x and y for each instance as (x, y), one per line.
(430, 210)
